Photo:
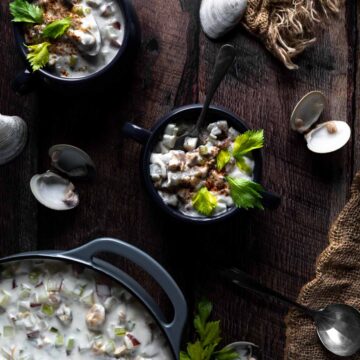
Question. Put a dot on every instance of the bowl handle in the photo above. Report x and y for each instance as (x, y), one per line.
(24, 82)
(86, 254)
(270, 200)
(136, 133)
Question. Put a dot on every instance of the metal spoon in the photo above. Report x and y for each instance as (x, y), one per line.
(338, 325)
(223, 62)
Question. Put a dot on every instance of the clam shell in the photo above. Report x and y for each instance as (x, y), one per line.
(13, 137)
(217, 17)
(71, 161)
(328, 137)
(53, 191)
(307, 111)
(246, 350)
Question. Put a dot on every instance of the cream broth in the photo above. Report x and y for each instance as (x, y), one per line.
(51, 311)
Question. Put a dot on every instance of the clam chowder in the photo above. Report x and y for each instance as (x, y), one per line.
(52, 310)
(179, 175)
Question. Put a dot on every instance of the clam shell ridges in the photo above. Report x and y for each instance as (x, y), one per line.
(13, 136)
(220, 16)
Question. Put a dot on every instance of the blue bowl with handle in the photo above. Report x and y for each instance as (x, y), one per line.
(190, 113)
(27, 80)
(86, 256)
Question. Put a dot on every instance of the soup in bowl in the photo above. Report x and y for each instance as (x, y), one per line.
(198, 181)
(75, 42)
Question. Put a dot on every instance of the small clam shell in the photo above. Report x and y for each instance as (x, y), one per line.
(217, 17)
(328, 137)
(307, 111)
(53, 191)
(246, 350)
(13, 137)
(71, 161)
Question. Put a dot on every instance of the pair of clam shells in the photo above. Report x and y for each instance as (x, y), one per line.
(326, 137)
(218, 17)
(52, 189)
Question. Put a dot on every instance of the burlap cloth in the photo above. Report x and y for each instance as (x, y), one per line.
(287, 27)
(337, 281)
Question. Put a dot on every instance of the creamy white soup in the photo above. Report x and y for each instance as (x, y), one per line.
(92, 41)
(179, 174)
(52, 310)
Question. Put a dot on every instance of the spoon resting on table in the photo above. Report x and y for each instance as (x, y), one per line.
(337, 325)
(224, 60)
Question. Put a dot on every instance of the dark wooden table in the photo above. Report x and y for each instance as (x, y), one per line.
(173, 67)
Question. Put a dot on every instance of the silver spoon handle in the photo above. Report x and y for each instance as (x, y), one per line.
(245, 281)
(224, 60)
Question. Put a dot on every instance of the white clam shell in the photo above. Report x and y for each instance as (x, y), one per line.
(307, 111)
(244, 349)
(53, 191)
(217, 17)
(328, 137)
(13, 136)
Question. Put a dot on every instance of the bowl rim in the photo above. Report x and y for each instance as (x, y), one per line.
(20, 41)
(148, 147)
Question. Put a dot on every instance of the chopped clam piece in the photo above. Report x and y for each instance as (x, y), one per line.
(95, 317)
(64, 314)
(190, 143)
(107, 10)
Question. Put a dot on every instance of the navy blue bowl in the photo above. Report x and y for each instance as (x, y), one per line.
(27, 80)
(149, 139)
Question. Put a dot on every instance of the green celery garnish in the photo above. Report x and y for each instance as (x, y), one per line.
(70, 345)
(222, 159)
(119, 331)
(57, 28)
(47, 309)
(204, 202)
(247, 142)
(245, 193)
(38, 55)
(59, 340)
(243, 166)
(23, 11)
(8, 331)
(208, 338)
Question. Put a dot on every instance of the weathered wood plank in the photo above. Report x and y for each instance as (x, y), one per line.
(18, 225)
(280, 247)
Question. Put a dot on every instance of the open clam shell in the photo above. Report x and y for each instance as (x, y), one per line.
(72, 161)
(53, 191)
(246, 350)
(307, 111)
(328, 137)
(217, 17)
(13, 137)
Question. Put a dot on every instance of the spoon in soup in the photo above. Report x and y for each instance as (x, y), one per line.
(224, 60)
(89, 41)
(337, 325)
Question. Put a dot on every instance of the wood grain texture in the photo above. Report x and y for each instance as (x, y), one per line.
(173, 68)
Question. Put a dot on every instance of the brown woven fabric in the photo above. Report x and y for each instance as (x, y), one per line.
(337, 281)
(287, 27)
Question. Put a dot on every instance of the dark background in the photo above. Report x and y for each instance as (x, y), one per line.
(173, 67)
